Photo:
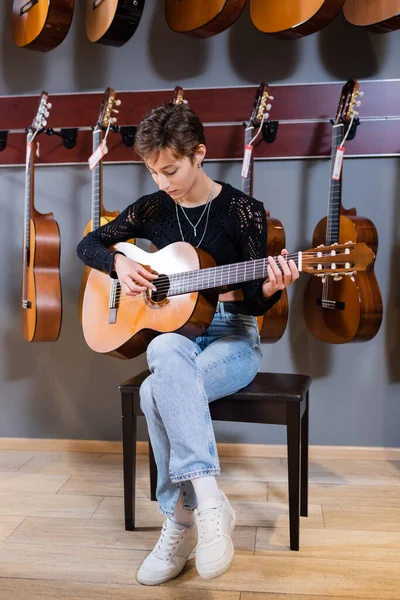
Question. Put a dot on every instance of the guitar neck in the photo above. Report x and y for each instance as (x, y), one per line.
(29, 187)
(247, 182)
(215, 277)
(97, 183)
(335, 191)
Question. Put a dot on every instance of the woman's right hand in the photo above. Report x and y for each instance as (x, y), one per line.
(134, 278)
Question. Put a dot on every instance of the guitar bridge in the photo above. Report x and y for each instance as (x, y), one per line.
(115, 291)
(26, 304)
(331, 304)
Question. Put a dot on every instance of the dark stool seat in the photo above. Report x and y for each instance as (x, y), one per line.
(271, 398)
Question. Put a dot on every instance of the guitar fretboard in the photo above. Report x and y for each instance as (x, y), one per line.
(96, 183)
(28, 190)
(247, 182)
(335, 192)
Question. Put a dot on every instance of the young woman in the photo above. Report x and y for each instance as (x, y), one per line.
(188, 374)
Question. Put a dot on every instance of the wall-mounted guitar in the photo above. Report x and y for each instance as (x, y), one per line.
(200, 18)
(41, 304)
(380, 16)
(339, 310)
(273, 325)
(112, 22)
(187, 293)
(99, 215)
(293, 18)
(41, 24)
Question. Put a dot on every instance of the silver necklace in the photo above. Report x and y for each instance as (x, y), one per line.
(202, 214)
(207, 207)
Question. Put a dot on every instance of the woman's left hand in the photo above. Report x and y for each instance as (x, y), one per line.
(279, 278)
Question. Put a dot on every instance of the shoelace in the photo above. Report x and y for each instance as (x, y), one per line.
(168, 542)
(208, 524)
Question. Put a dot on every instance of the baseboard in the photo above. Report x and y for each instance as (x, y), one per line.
(235, 450)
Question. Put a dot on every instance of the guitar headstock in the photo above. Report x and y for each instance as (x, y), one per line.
(348, 101)
(337, 259)
(262, 105)
(108, 104)
(178, 96)
(42, 113)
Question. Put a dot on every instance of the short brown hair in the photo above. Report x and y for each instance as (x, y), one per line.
(173, 126)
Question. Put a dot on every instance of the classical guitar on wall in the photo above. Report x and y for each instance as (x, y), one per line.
(41, 303)
(41, 24)
(187, 292)
(99, 215)
(339, 310)
(202, 18)
(380, 16)
(293, 18)
(112, 22)
(272, 326)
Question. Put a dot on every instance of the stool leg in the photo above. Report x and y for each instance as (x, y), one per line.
(293, 447)
(153, 473)
(304, 462)
(129, 459)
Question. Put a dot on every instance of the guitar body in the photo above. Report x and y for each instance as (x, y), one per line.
(380, 16)
(293, 18)
(41, 24)
(360, 314)
(202, 19)
(106, 218)
(41, 322)
(112, 22)
(139, 319)
(274, 321)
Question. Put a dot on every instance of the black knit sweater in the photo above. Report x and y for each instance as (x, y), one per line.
(236, 231)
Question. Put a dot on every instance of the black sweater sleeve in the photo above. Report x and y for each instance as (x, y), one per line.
(94, 251)
(253, 233)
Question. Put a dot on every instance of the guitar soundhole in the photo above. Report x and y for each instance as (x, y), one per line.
(162, 284)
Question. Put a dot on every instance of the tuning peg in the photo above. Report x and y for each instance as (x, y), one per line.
(118, 102)
(361, 94)
(337, 277)
(358, 103)
(43, 123)
(113, 119)
(269, 106)
(49, 105)
(114, 110)
(46, 113)
(271, 98)
(355, 113)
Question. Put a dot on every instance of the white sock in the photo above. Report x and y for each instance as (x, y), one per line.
(206, 487)
(182, 517)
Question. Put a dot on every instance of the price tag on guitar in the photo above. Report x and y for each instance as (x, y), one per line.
(98, 154)
(337, 167)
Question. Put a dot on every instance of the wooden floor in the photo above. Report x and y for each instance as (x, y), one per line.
(62, 534)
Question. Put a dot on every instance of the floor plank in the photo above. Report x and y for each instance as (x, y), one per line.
(330, 543)
(370, 518)
(9, 524)
(32, 483)
(342, 495)
(50, 505)
(21, 589)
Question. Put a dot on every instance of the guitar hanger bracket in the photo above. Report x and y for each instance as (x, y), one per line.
(68, 136)
(128, 133)
(3, 140)
(352, 133)
(269, 131)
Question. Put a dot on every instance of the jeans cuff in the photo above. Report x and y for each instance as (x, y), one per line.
(195, 475)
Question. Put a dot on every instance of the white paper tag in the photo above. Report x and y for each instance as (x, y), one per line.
(98, 155)
(337, 167)
(246, 160)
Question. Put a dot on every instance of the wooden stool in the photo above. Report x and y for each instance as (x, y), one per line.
(271, 398)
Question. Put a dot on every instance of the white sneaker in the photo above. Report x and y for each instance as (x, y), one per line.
(169, 555)
(216, 521)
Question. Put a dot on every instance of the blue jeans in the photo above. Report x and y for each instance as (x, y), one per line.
(185, 376)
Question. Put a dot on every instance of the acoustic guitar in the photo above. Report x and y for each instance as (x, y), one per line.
(41, 304)
(272, 326)
(202, 18)
(112, 22)
(380, 16)
(187, 292)
(41, 24)
(339, 310)
(293, 18)
(99, 215)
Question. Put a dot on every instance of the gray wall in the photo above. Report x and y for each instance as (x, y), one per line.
(63, 390)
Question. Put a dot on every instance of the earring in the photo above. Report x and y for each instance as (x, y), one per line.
(199, 165)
